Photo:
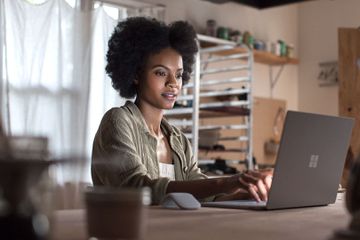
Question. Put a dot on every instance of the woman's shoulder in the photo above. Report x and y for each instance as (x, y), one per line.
(119, 116)
(116, 114)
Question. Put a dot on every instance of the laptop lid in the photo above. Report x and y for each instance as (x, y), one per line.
(309, 164)
(310, 160)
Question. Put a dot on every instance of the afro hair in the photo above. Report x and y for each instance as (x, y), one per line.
(135, 39)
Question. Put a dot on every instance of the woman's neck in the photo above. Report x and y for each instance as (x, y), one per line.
(152, 116)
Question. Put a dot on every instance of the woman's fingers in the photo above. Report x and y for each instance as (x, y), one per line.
(255, 185)
(268, 182)
(251, 189)
(265, 175)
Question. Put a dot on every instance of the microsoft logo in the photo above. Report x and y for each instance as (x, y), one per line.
(314, 160)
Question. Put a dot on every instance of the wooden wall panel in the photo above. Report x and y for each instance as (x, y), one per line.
(265, 118)
(349, 80)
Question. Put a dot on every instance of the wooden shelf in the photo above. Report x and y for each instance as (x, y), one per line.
(271, 59)
(259, 56)
(262, 56)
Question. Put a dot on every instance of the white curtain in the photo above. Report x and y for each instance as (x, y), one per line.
(52, 71)
(46, 69)
(45, 76)
(102, 95)
(53, 80)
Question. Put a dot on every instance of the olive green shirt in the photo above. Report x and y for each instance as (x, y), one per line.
(124, 153)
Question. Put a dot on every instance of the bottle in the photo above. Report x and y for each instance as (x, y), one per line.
(282, 45)
(248, 39)
(211, 27)
(236, 37)
(223, 33)
(278, 48)
(290, 51)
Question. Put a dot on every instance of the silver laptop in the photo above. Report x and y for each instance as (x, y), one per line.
(309, 164)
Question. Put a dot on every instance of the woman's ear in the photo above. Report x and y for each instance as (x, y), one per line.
(137, 79)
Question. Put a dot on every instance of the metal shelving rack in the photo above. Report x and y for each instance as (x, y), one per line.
(193, 109)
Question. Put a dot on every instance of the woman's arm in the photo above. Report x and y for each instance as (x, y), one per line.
(249, 184)
(256, 185)
(203, 188)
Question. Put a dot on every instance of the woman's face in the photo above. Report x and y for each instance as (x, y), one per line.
(161, 81)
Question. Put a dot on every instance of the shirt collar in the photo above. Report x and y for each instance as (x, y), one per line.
(139, 118)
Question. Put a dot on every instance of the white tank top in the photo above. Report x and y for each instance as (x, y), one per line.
(167, 170)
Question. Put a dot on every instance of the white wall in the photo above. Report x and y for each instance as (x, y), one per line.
(269, 25)
(318, 37)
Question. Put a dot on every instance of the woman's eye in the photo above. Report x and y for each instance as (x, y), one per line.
(179, 76)
(160, 73)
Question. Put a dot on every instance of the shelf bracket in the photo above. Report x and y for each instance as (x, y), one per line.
(274, 80)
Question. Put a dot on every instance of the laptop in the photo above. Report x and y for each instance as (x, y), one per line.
(309, 163)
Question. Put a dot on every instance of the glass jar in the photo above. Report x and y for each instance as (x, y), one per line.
(223, 33)
(211, 28)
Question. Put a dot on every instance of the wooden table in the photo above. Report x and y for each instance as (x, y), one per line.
(216, 223)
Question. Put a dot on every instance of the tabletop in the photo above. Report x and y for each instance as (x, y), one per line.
(217, 223)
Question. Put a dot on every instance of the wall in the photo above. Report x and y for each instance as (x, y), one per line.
(311, 26)
(318, 37)
(269, 25)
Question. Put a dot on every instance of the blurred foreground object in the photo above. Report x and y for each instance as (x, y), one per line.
(353, 198)
(117, 213)
(23, 160)
(352, 205)
(26, 187)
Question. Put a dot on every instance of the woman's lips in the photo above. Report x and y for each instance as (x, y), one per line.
(169, 96)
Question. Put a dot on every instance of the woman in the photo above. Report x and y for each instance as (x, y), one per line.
(135, 145)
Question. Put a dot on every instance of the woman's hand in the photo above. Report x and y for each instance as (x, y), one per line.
(256, 183)
(247, 185)
(239, 194)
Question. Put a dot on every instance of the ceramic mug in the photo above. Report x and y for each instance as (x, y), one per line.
(116, 213)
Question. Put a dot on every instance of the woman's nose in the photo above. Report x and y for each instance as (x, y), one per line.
(172, 82)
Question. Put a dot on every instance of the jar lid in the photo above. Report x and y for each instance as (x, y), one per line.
(118, 194)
